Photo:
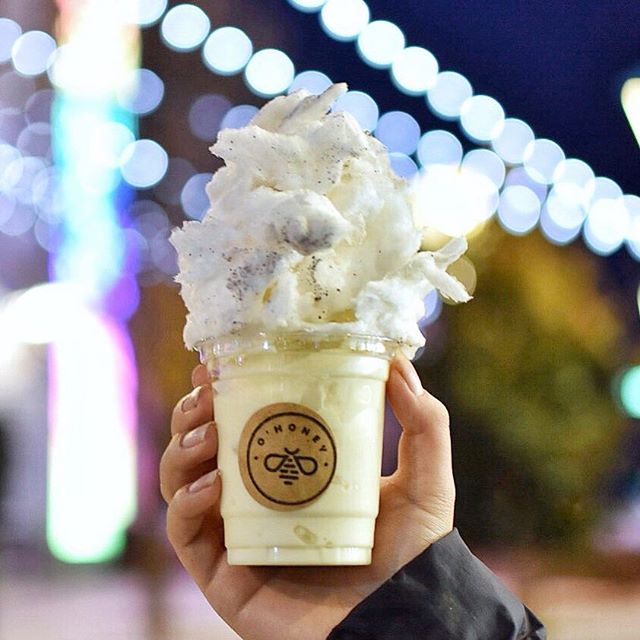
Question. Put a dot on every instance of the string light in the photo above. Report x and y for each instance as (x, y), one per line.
(227, 51)
(185, 27)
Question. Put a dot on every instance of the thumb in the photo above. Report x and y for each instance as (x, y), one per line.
(424, 452)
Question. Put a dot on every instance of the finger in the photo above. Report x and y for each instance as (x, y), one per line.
(199, 376)
(424, 453)
(192, 410)
(194, 517)
(188, 456)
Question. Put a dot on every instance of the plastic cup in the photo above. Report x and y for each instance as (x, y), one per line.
(300, 419)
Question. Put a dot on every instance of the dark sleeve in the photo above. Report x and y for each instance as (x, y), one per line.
(445, 593)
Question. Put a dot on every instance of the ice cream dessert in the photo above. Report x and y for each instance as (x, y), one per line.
(301, 281)
(309, 229)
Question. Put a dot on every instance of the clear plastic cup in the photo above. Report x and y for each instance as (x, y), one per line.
(300, 420)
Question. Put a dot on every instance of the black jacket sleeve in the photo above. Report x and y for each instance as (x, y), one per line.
(445, 593)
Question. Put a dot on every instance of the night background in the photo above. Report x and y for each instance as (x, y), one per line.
(546, 443)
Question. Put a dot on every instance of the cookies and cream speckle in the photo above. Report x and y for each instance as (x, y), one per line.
(309, 228)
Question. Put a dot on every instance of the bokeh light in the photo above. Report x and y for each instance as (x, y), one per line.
(448, 94)
(15, 89)
(486, 163)
(439, 147)
(630, 391)
(565, 206)
(511, 142)
(379, 43)
(38, 106)
(541, 159)
(12, 123)
(206, 115)
(21, 220)
(361, 106)
(269, 72)
(307, 6)
(35, 140)
(313, 81)
(452, 201)
(518, 176)
(143, 163)
(185, 27)
(482, 118)
(10, 31)
(432, 308)
(238, 116)
(193, 198)
(10, 167)
(414, 70)
(632, 203)
(142, 93)
(31, 52)
(518, 209)
(575, 174)
(108, 142)
(630, 99)
(606, 226)
(227, 51)
(554, 232)
(403, 165)
(603, 189)
(145, 12)
(344, 19)
(398, 131)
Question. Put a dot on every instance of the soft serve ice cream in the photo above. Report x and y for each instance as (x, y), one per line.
(309, 229)
(300, 281)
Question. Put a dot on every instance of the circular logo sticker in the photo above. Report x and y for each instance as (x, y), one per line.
(287, 456)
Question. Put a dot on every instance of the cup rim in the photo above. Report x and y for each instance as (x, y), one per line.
(276, 341)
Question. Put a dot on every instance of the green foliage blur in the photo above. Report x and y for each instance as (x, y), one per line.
(526, 375)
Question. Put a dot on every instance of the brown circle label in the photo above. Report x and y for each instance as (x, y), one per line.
(287, 456)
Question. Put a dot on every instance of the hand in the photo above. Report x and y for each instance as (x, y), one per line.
(416, 509)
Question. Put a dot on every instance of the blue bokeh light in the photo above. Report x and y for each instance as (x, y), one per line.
(31, 52)
(227, 51)
(206, 115)
(379, 43)
(238, 116)
(143, 163)
(344, 19)
(361, 106)
(448, 94)
(10, 31)
(269, 72)
(398, 131)
(403, 165)
(185, 27)
(193, 198)
(414, 71)
(439, 147)
(313, 81)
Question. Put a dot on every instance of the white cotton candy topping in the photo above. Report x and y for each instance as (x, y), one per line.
(309, 229)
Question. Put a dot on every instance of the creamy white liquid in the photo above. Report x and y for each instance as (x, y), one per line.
(347, 389)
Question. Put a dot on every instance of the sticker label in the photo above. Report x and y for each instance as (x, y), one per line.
(287, 456)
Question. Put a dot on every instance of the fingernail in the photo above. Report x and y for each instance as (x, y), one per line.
(191, 401)
(410, 376)
(204, 481)
(194, 437)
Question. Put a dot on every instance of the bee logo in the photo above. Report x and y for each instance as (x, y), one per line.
(287, 456)
(290, 465)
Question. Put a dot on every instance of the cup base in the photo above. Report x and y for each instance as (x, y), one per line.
(296, 556)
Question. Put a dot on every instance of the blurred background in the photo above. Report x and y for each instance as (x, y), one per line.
(518, 125)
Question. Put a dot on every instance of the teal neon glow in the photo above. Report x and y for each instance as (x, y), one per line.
(630, 391)
(91, 491)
